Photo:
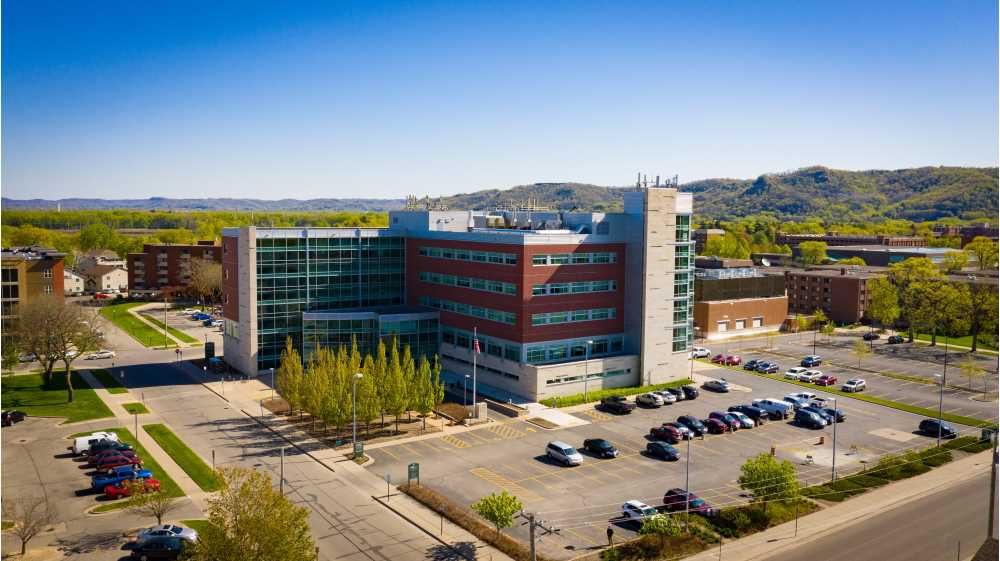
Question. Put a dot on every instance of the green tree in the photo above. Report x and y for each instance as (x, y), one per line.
(337, 401)
(10, 354)
(289, 380)
(986, 252)
(498, 509)
(368, 394)
(728, 245)
(438, 384)
(883, 302)
(769, 479)
(317, 382)
(860, 350)
(396, 398)
(249, 520)
(410, 383)
(662, 525)
(813, 253)
(954, 261)
(903, 275)
(380, 375)
(939, 307)
(852, 261)
(97, 236)
(971, 370)
(425, 402)
(982, 311)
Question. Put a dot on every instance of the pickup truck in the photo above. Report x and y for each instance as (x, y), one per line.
(122, 489)
(120, 474)
(617, 404)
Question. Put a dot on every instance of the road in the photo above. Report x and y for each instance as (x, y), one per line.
(937, 525)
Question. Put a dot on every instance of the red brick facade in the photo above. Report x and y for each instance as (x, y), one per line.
(149, 272)
(230, 279)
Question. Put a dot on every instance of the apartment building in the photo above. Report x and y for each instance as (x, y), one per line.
(166, 266)
(841, 293)
(553, 298)
(27, 273)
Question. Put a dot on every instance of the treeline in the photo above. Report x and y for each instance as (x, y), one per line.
(390, 384)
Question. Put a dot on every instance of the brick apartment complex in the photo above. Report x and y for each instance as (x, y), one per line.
(833, 238)
(732, 298)
(162, 266)
(553, 297)
(27, 273)
(969, 233)
(842, 293)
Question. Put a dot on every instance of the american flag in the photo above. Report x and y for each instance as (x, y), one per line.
(475, 345)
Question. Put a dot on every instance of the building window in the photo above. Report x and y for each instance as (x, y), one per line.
(469, 282)
(574, 316)
(722, 326)
(552, 289)
(46, 273)
(48, 289)
(758, 322)
(466, 255)
(574, 258)
(467, 310)
(741, 324)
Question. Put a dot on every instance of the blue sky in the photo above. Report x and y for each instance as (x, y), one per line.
(381, 99)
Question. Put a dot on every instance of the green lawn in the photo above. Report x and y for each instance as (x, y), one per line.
(141, 331)
(25, 393)
(958, 341)
(191, 463)
(199, 525)
(167, 485)
(177, 333)
(135, 408)
(7, 525)
(110, 382)
(597, 395)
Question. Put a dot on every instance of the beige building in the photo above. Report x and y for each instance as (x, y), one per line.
(106, 278)
(74, 284)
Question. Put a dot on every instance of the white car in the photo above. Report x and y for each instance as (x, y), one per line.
(189, 311)
(82, 444)
(808, 396)
(810, 376)
(794, 373)
(667, 397)
(638, 510)
(649, 400)
(700, 352)
(101, 354)
(853, 385)
(745, 422)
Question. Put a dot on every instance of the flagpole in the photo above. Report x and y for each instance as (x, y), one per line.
(475, 351)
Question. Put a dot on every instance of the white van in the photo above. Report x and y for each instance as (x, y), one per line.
(776, 408)
(82, 444)
(563, 453)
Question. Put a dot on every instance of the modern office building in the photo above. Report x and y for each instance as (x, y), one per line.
(732, 298)
(554, 298)
(166, 266)
(27, 273)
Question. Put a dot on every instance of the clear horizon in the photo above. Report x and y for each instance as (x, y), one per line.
(380, 100)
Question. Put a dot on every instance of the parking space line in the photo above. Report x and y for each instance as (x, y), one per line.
(504, 483)
(455, 441)
(582, 537)
(505, 432)
(412, 450)
(473, 434)
(390, 452)
(428, 444)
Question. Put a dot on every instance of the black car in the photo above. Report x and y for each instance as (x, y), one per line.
(870, 336)
(895, 339)
(11, 417)
(693, 424)
(158, 547)
(690, 392)
(933, 427)
(809, 419)
(617, 404)
(751, 364)
(757, 414)
(837, 414)
(819, 411)
(678, 393)
(662, 450)
(600, 448)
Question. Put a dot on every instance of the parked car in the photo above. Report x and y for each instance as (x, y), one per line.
(745, 421)
(776, 408)
(826, 380)
(809, 419)
(796, 402)
(853, 385)
(756, 414)
(715, 426)
(870, 336)
(189, 311)
(662, 450)
(678, 393)
(751, 364)
(101, 354)
(794, 372)
(216, 323)
(837, 414)
(200, 316)
(96, 457)
(719, 359)
(676, 499)
(563, 453)
(123, 489)
(600, 448)
(101, 296)
(686, 433)
(728, 360)
(649, 400)
(690, 392)
(693, 424)
(108, 445)
(810, 376)
(120, 474)
(108, 464)
(895, 339)
(721, 386)
(82, 444)
(768, 367)
(700, 352)
(158, 548)
(811, 360)
(168, 531)
(666, 433)
(617, 404)
(933, 427)
(808, 396)
(637, 510)
(208, 322)
(731, 422)
(667, 396)
(27, 357)
(11, 417)
(827, 418)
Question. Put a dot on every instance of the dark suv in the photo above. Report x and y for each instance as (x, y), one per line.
(675, 500)
(159, 547)
(617, 404)
(758, 415)
(666, 434)
(692, 423)
(690, 392)
(931, 427)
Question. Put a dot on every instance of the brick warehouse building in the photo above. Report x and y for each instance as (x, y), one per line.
(554, 296)
(162, 266)
(732, 298)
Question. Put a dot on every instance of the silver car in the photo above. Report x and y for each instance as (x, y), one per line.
(168, 531)
(649, 400)
(667, 397)
(563, 453)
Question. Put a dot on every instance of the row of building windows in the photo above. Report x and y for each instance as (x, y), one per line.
(573, 316)
(469, 282)
(554, 288)
(574, 258)
(489, 345)
(467, 255)
(563, 350)
(590, 376)
(467, 310)
(723, 325)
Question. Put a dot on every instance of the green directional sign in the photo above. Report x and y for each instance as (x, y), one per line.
(413, 472)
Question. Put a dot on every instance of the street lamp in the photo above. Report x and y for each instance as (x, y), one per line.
(687, 481)
(944, 378)
(833, 470)
(465, 391)
(586, 368)
(354, 409)
(272, 383)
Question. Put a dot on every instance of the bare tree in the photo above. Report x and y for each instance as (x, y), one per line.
(155, 504)
(206, 279)
(56, 331)
(29, 516)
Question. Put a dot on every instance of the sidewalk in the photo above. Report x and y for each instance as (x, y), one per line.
(773, 542)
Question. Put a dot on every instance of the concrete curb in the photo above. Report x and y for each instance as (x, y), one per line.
(421, 528)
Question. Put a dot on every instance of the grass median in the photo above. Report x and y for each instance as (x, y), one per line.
(190, 462)
(110, 383)
(597, 395)
(177, 333)
(167, 484)
(135, 408)
(139, 330)
(27, 393)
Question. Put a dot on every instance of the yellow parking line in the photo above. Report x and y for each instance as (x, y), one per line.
(505, 484)
(473, 434)
(454, 441)
(412, 450)
(390, 452)
(582, 536)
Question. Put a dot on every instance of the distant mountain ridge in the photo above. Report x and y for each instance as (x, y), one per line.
(925, 193)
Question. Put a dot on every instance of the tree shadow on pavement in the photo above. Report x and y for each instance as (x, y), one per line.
(459, 551)
(90, 542)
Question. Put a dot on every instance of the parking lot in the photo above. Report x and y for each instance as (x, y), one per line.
(177, 320)
(582, 501)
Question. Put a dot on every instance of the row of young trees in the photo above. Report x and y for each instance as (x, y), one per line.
(391, 383)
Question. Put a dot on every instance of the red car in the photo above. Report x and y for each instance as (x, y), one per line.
(733, 360)
(109, 463)
(719, 358)
(666, 434)
(715, 426)
(124, 488)
(94, 459)
(826, 380)
(101, 296)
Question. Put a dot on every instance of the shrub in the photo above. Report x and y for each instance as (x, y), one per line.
(597, 395)
(935, 457)
(867, 481)
(969, 444)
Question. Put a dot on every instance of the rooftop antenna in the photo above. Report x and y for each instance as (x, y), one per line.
(638, 179)
(657, 180)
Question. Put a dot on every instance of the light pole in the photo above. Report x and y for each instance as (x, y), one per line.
(465, 391)
(944, 378)
(272, 383)
(586, 368)
(833, 470)
(687, 482)
(354, 410)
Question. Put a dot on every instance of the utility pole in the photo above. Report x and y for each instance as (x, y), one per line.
(833, 469)
(475, 351)
(687, 482)
(993, 488)
(166, 341)
(532, 525)
(281, 475)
